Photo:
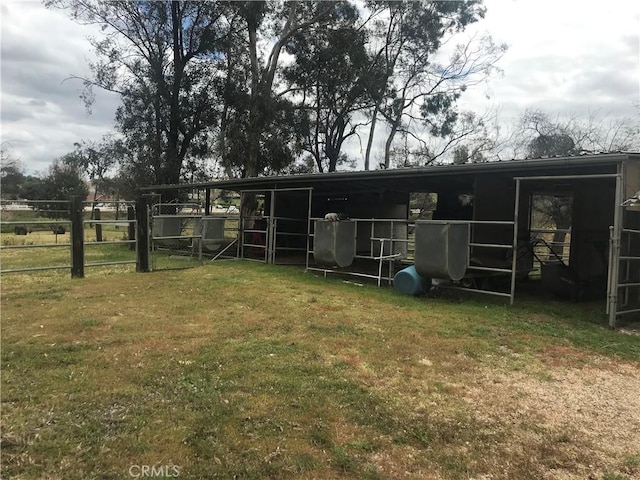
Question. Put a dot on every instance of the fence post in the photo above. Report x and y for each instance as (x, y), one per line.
(131, 216)
(77, 237)
(142, 236)
(97, 216)
(207, 201)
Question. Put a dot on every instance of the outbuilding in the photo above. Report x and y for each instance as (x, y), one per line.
(485, 215)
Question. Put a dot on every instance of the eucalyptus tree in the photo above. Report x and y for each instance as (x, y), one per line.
(267, 125)
(248, 115)
(161, 58)
(333, 76)
(421, 87)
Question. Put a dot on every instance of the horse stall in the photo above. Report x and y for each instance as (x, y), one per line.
(568, 225)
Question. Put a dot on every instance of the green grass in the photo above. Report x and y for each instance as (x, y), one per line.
(240, 370)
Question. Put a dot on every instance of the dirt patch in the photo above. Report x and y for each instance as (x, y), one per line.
(589, 416)
(631, 328)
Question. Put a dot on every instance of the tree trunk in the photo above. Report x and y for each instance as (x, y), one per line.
(371, 133)
(254, 129)
(389, 142)
(173, 161)
(335, 137)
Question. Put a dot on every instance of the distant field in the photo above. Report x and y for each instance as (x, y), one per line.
(59, 255)
(240, 370)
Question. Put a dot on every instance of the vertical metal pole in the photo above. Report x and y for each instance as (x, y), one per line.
(309, 228)
(610, 269)
(201, 231)
(272, 226)
(241, 227)
(77, 237)
(614, 267)
(371, 236)
(380, 264)
(514, 260)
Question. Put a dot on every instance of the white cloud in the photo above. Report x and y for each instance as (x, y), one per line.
(565, 57)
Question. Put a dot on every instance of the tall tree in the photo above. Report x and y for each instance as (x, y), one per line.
(160, 57)
(420, 90)
(333, 76)
(267, 110)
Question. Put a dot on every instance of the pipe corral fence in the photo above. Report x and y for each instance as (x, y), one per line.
(69, 235)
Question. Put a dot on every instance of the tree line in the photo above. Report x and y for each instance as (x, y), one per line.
(257, 88)
(250, 88)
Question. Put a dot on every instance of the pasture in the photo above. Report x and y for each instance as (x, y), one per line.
(241, 370)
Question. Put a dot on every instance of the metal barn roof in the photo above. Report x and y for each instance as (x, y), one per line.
(415, 179)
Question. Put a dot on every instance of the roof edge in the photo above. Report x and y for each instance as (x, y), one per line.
(506, 165)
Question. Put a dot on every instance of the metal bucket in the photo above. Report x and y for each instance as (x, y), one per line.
(334, 243)
(442, 249)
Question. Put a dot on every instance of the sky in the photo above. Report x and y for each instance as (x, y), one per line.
(565, 57)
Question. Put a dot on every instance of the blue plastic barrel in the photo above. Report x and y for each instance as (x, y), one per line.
(409, 282)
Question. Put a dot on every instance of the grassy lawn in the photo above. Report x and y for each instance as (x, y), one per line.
(240, 370)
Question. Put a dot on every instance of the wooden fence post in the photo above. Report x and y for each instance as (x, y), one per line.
(131, 215)
(77, 237)
(207, 201)
(97, 216)
(142, 234)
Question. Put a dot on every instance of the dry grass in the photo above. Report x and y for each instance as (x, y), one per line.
(238, 370)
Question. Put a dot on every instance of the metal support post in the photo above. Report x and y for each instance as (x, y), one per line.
(614, 267)
(514, 254)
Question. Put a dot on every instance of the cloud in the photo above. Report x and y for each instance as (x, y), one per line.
(564, 57)
(42, 114)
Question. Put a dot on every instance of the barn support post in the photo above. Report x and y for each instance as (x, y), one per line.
(308, 230)
(614, 257)
(272, 229)
(142, 234)
(514, 250)
(77, 237)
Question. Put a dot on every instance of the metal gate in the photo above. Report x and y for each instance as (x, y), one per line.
(273, 233)
(624, 264)
(175, 235)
